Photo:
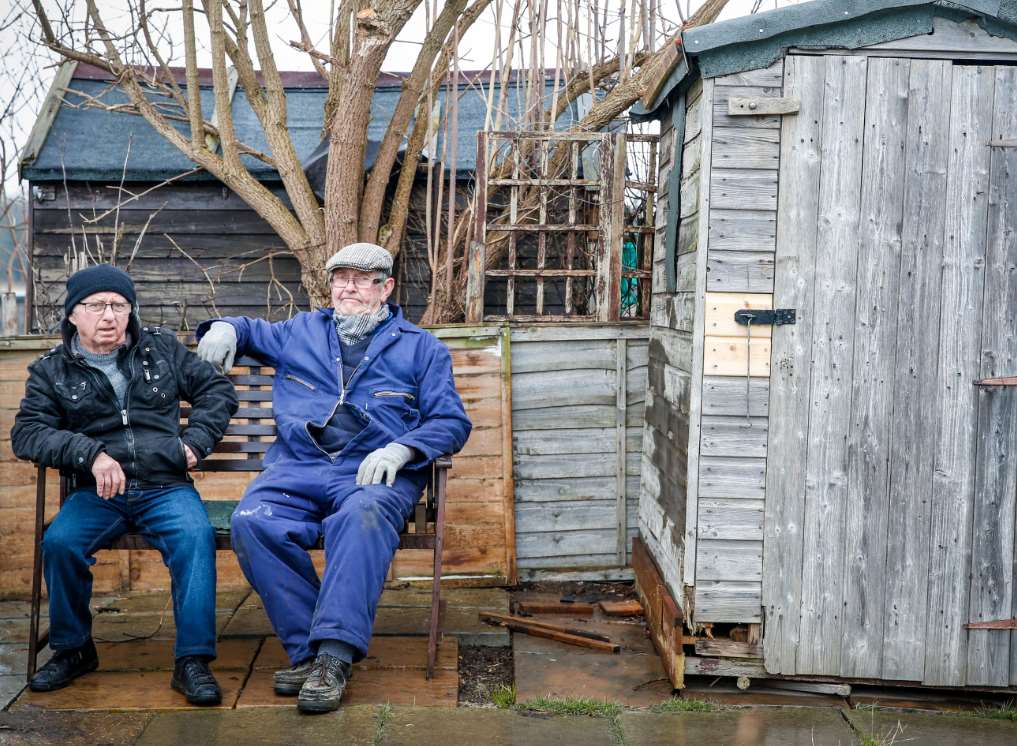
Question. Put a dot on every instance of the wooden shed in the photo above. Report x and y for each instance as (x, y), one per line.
(836, 476)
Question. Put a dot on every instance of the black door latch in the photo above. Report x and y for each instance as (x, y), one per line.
(768, 317)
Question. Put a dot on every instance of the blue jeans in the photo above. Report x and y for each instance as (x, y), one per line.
(172, 519)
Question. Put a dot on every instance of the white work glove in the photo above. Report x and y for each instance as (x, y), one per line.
(219, 345)
(383, 464)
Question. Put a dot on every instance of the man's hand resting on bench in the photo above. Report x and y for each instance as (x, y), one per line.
(219, 345)
(109, 477)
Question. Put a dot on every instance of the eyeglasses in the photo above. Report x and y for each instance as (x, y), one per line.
(360, 281)
(98, 307)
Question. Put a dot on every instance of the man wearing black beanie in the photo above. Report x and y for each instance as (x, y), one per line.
(104, 407)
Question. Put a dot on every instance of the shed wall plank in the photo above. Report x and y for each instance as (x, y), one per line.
(801, 145)
(911, 459)
(992, 550)
(963, 280)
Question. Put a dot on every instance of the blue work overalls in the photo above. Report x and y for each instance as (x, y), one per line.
(404, 392)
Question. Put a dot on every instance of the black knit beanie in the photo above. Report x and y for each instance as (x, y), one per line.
(102, 278)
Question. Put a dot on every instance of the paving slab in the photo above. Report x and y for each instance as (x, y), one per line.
(156, 601)
(157, 655)
(737, 728)
(355, 726)
(463, 623)
(249, 621)
(932, 729)
(149, 626)
(491, 599)
(15, 630)
(922, 700)
(125, 691)
(420, 727)
(367, 687)
(14, 658)
(18, 609)
(383, 652)
(34, 727)
(10, 688)
(554, 669)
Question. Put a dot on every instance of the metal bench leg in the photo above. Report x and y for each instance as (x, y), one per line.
(40, 517)
(436, 602)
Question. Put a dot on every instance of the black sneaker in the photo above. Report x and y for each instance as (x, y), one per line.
(64, 667)
(193, 679)
(325, 685)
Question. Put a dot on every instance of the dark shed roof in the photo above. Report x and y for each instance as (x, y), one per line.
(756, 41)
(91, 144)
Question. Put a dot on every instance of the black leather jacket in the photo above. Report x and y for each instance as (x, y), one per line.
(70, 412)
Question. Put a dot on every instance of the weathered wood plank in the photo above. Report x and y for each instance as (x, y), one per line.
(564, 489)
(567, 417)
(728, 601)
(992, 548)
(732, 477)
(770, 77)
(729, 560)
(698, 334)
(545, 517)
(961, 290)
(744, 271)
(726, 396)
(746, 147)
(740, 520)
(572, 441)
(734, 436)
(743, 230)
(721, 117)
(822, 631)
(756, 106)
(733, 189)
(875, 338)
(911, 458)
(569, 387)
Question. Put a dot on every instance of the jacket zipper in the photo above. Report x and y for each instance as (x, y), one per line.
(342, 400)
(301, 381)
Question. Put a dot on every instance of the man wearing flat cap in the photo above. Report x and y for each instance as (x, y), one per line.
(104, 407)
(364, 402)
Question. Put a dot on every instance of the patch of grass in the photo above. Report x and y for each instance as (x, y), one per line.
(504, 696)
(383, 716)
(1005, 711)
(872, 738)
(679, 704)
(572, 706)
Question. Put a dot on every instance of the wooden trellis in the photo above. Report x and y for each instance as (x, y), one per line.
(555, 251)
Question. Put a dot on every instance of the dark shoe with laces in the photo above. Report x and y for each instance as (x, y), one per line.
(64, 667)
(193, 678)
(288, 681)
(325, 685)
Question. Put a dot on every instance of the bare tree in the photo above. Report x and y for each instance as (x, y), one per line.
(614, 59)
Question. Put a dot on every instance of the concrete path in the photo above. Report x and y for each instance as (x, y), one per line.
(375, 725)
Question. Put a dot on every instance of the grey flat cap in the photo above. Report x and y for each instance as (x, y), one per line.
(366, 257)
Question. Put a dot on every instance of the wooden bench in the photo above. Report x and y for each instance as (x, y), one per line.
(250, 434)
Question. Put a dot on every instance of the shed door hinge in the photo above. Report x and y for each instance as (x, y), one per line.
(774, 317)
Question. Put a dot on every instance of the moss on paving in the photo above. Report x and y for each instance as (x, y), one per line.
(680, 704)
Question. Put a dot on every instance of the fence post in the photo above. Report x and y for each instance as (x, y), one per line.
(475, 284)
(612, 221)
(8, 314)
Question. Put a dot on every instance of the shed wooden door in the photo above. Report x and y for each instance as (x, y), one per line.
(891, 479)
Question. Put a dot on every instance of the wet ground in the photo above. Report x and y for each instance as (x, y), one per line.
(536, 681)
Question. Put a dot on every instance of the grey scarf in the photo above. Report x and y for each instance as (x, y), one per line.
(355, 327)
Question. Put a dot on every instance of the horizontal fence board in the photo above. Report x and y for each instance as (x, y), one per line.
(720, 559)
(740, 271)
(565, 488)
(724, 395)
(723, 94)
(743, 189)
(746, 147)
(571, 516)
